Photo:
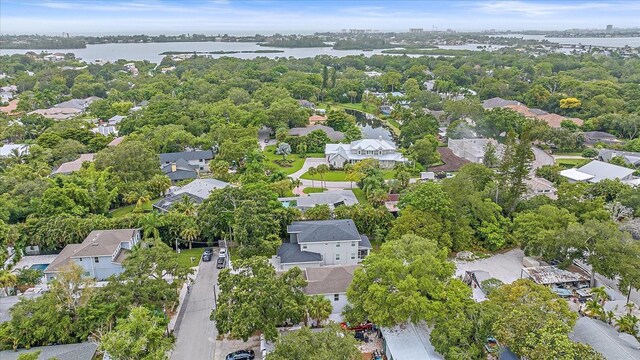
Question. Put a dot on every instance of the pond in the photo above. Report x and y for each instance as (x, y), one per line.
(371, 127)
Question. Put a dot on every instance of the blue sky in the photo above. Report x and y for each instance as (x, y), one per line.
(89, 17)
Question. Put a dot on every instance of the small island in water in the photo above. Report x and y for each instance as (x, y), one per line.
(221, 52)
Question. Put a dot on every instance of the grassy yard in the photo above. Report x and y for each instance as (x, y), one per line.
(570, 163)
(312, 190)
(356, 106)
(568, 153)
(340, 175)
(185, 256)
(122, 211)
(270, 154)
(359, 193)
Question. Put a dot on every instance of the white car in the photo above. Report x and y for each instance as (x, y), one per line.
(222, 253)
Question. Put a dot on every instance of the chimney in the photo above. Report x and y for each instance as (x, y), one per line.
(173, 167)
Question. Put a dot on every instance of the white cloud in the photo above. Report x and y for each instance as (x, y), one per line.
(535, 9)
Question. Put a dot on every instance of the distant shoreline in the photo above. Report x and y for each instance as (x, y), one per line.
(221, 52)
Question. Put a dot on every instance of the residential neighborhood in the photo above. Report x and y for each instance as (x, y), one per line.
(361, 181)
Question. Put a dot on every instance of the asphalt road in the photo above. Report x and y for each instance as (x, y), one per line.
(6, 303)
(196, 334)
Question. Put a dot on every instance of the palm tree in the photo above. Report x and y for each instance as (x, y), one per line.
(142, 199)
(322, 169)
(600, 294)
(186, 205)
(7, 280)
(17, 156)
(160, 184)
(593, 308)
(630, 306)
(190, 233)
(627, 323)
(150, 225)
(318, 308)
(312, 171)
(295, 182)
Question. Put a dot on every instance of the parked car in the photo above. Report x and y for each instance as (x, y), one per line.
(222, 253)
(208, 251)
(241, 355)
(220, 264)
(206, 257)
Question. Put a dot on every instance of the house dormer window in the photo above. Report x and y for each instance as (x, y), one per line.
(359, 152)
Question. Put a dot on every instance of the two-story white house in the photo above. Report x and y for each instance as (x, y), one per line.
(100, 254)
(338, 155)
(321, 243)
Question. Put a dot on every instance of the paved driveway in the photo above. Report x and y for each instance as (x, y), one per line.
(541, 158)
(313, 162)
(6, 303)
(195, 333)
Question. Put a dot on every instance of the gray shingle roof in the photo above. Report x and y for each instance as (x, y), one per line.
(82, 351)
(186, 155)
(604, 339)
(332, 134)
(183, 170)
(498, 102)
(364, 242)
(333, 198)
(596, 135)
(328, 279)
(325, 230)
(197, 190)
(97, 243)
(291, 253)
(202, 187)
(630, 157)
(166, 203)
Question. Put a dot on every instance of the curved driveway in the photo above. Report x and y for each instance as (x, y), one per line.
(313, 162)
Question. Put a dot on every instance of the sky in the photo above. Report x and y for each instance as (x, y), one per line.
(93, 17)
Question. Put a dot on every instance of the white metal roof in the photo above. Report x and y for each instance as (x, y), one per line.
(602, 170)
(576, 175)
(409, 342)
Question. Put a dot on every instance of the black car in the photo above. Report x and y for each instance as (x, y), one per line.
(206, 257)
(241, 355)
(208, 251)
(220, 263)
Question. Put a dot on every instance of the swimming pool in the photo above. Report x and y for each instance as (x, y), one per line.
(40, 267)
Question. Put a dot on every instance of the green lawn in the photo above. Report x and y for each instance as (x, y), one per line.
(568, 153)
(570, 163)
(122, 211)
(340, 175)
(356, 106)
(185, 255)
(311, 190)
(270, 154)
(359, 193)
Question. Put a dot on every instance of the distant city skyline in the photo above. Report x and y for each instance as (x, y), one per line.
(90, 17)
